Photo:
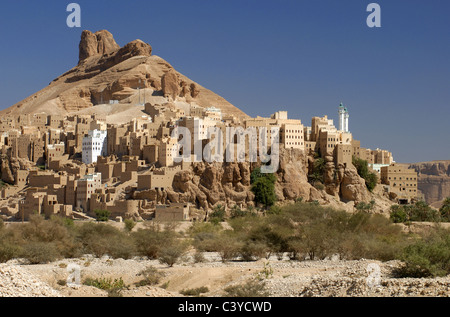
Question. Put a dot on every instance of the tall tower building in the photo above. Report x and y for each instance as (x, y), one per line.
(346, 116)
(343, 118)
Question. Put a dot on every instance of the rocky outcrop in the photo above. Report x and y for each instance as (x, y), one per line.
(170, 84)
(94, 44)
(433, 180)
(206, 185)
(6, 171)
(106, 71)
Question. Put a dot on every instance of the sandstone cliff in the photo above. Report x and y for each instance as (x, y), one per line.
(207, 185)
(106, 72)
(433, 180)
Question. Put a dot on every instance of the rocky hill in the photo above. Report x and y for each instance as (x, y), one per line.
(210, 184)
(106, 72)
(433, 180)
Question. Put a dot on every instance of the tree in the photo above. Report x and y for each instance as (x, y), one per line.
(317, 172)
(445, 210)
(102, 215)
(264, 190)
(370, 178)
(218, 214)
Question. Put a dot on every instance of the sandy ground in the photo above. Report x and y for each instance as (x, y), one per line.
(283, 277)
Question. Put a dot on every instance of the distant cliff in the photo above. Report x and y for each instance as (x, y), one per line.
(433, 180)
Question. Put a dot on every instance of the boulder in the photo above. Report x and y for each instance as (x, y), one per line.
(98, 44)
(170, 84)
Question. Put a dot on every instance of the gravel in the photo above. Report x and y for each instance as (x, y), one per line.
(283, 278)
(17, 282)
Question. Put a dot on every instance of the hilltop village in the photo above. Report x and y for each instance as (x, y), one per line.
(73, 165)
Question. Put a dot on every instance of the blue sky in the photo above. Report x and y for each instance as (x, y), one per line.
(303, 56)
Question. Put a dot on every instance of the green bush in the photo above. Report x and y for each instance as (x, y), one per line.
(237, 212)
(218, 214)
(40, 252)
(445, 210)
(129, 225)
(420, 211)
(252, 288)
(101, 239)
(170, 254)
(428, 257)
(9, 250)
(149, 241)
(106, 284)
(316, 174)
(227, 245)
(398, 214)
(151, 276)
(102, 215)
(194, 291)
(264, 190)
(370, 178)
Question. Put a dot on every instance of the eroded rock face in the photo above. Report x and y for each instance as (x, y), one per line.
(433, 180)
(99, 43)
(170, 84)
(134, 48)
(353, 187)
(5, 169)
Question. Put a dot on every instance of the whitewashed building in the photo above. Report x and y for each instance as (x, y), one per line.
(94, 145)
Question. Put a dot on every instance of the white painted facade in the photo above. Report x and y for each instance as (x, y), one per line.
(94, 145)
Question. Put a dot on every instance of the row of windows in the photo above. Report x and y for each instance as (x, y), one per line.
(407, 178)
(294, 143)
(294, 137)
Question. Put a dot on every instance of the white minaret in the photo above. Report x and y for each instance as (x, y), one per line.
(341, 117)
(346, 116)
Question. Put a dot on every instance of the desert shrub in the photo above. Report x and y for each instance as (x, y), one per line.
(121, 246)
(264, 190)
(149, 241)
(218, 214)
(40, 252)
(253, 251)
(227, 245)
(370, 178)
(8, 250)
(252, 288)
(273, 210)
(237, 212)
(194, 291)
(427, 257)
(203, 235)
(56, 231)
(365, 207)
(151, 276)
(420, 211)
(317, 172)
(102, 239)
(129, 225)
(199, 257)
(445, 210)
(113, 287)
(398, 214)
(102, 215)
(318, 185)
(322, 231)
(170, 254)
